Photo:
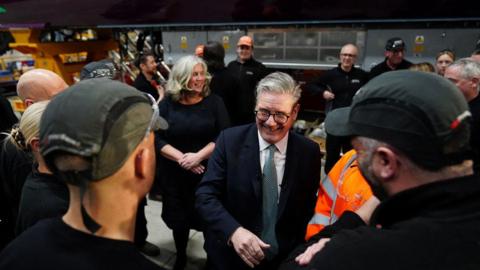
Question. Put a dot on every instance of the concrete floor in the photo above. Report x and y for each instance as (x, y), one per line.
(161, 236)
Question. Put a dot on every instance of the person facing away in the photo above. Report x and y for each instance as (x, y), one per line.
(147, 80)
(43, 195)
(443, 60)
(107, 69)
(15, 165)
(248, 72)
(465, 74)
(260, 187)
(338, 86)
(97, 136)
(196, 118)
(223, 83)
(394, 58)
(412, 147)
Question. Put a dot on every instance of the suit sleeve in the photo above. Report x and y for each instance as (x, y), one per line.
(210, 192)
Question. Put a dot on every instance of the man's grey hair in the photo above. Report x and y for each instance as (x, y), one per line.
(279, 83)
(468, 69)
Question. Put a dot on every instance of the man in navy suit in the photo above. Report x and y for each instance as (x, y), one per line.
(233, 199)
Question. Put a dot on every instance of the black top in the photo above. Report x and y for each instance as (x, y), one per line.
(343, 84)
(474, 106)
(248, 74)
(434, 226)
(383, 67)
(227, 86)
(191, 127)
(142, 84)
(15, 165)
(43, 196)
(52, 244)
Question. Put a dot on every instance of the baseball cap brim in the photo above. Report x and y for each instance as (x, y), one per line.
(336, 122)
(160, 124)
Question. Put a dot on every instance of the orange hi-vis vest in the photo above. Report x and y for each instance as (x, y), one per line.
(343, 189)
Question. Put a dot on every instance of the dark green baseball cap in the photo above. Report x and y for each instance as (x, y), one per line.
(421, 114)
(100, 119)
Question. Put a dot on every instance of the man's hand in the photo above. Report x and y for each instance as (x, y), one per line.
(328, 95)
(305, 258)
(248, 246)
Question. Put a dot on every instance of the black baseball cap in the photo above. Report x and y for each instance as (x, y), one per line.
(395, 44)
(99, 69)
(421, 114)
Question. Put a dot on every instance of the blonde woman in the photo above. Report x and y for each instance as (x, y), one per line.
(195, 119)
(43, 195)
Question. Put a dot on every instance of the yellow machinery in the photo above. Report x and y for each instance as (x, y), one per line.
(63, 58)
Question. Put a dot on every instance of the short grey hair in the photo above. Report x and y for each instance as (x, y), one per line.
(177, 84)
(468, 69)
(279, 83)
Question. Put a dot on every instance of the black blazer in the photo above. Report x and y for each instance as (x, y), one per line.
(230, 194)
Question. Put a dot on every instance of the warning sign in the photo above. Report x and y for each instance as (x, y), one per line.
(183, 42)
(226, 42)
(419, 44)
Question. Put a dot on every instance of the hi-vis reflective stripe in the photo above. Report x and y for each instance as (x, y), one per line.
(320, 219)
(329, 188)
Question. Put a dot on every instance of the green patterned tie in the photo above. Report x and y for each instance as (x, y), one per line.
(270, 198)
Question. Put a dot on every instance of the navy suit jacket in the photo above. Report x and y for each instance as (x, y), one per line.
(230, 194)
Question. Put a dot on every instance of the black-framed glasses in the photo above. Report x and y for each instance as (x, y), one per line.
(155, 115)
(278, 117)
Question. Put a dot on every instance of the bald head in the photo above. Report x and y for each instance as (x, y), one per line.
(39, 84)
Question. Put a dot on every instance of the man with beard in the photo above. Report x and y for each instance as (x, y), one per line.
(259, 190)
(414, 146)
(394, 58)
(147, 80)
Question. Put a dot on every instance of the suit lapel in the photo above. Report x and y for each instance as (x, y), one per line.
(250, 161)
(291, 168)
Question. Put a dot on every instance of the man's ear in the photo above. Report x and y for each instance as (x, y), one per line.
(35, 144)
(296, 109)
(140, 163)
(27, 102)
(385, 163)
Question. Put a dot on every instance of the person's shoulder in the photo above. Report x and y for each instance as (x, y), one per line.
(303, 140)
(239, 131)
(365, 247)
(31, 240)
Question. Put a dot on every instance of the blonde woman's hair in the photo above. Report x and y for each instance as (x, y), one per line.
(22, 134)
(177, 85)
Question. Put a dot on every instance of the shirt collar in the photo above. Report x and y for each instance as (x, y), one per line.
(281, 145)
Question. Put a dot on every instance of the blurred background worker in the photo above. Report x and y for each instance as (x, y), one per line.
(249, 72)
(394, 58)
(443, 60)
(147, 80)
(338, 86)
(465, 74)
